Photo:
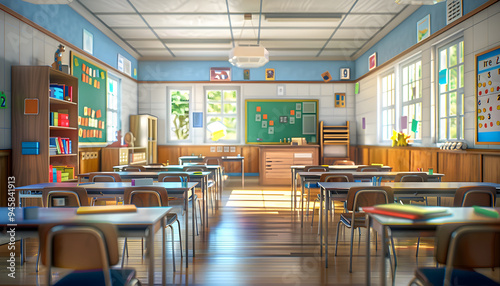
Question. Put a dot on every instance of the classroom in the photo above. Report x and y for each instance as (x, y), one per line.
(259, 142)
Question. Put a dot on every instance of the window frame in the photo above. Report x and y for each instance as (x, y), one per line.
(383, 108)
(402, 104)
(237, 115)
(118, 107)
(191, 135)
(460, 92)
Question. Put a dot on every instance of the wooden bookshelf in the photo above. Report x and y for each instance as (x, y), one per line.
(33, 82)
(333, 135)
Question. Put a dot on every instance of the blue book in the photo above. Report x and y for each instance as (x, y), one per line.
(30, 151)
(30, 145)
(64, 147)
(70, 151)
(52, 141)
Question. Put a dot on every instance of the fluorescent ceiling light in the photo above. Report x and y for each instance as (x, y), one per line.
(418, 2)
(304, 17)
(249, 56)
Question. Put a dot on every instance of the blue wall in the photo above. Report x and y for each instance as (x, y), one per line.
(404, 35)
(200, 70)
(66, 23)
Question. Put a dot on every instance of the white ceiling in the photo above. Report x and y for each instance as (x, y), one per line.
(202, 30)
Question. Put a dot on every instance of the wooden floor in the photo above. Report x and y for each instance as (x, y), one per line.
(254, 239)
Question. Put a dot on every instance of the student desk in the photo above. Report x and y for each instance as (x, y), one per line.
(313, 177)
(145, 222)
(117, 188)
(193, 176)
(400, 227)
(333, 190)
(216, 169)
(333, 168)
(241, 159)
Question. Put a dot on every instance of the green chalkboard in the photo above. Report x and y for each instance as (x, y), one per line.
(92, 99)
(269, 121)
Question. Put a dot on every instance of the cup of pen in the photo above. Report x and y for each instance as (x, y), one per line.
(431, 171)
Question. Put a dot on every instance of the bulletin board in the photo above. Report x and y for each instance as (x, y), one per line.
(488, 97)
(92, 99)
(269, 121)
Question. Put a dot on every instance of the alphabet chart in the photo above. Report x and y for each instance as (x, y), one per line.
(488, 97)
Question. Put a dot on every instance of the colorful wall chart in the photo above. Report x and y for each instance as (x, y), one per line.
(488, 97)
(92, 99)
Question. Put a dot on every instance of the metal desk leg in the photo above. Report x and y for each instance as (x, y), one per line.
(327, 207)
(242, 173)
(193, 220)
(302, 205)
(368, 273)
(385, 250)
(320, 220)
(294, 190)
(163, 262)
(186, 232)
(151, 254)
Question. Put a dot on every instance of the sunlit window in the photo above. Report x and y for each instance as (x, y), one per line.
(221, 114)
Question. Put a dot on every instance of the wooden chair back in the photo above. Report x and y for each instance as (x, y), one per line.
(475, 195)
(337, 177)
(369, 169)
(213, 161)
(316, 169)
(146, 196)
(133, 169)
(195, 168)
(72, 196)
(104, 177)
(368, 196)
(172, 177)
(343, 162)
(411, 177)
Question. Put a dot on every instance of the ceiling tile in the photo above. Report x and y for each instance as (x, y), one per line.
(123, 21)
(112, 6)
(296, 34)
(358, 34)
(378, 6)
(193, 33)
(187, 20)
(128, 34)
(376, 21)
(146, 44)
(178, 6)
(310, 6)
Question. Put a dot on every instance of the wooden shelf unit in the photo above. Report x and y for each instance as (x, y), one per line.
(145, 130)
(114, 156)
(33, 82)
(333, 135)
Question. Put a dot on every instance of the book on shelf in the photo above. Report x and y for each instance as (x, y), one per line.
(413, 212)
(61, 91)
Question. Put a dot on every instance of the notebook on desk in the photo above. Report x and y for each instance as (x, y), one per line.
(107, 209)
(407, 211)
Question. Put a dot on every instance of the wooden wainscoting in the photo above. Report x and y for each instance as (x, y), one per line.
(491, 168)
(171, 154)
(90, 159)
(5, 172)
(472, 165)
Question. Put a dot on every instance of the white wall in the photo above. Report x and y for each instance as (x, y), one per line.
(20, 44)
(480, 33)
(153, 100)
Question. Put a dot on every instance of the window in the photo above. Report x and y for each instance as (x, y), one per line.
(451, 91)
(179, 99)
(113, 112)
(411, 98)
(388, 94)
(221, 114)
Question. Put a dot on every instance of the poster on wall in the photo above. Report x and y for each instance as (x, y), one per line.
(424, 28)
(488, 97)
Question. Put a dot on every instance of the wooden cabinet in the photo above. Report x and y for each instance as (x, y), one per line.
(31, 85)
(145, 130)
(331, 136)
(275, 162)
(114, 156)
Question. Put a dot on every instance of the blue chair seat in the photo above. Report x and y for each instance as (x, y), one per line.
(96, 277)
(435, 276)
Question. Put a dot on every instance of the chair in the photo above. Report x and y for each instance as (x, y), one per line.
(462, 247)
(62, 197)
(212, 161)
(343, 162)
(133, 169)
(180, 177)
(412, 177)
(88, 248)
(483, 196)
(369, 169)
(152, 196)
(210, 183)
(104, 177)
(308, 184)
(362, 197)
(329, 177)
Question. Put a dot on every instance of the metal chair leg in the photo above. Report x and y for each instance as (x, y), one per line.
(337, 238)
(314, 207)
(308, 199)
(350, 251)
(173, 246)
(418, 244)
(123, 253)
(180, 238)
